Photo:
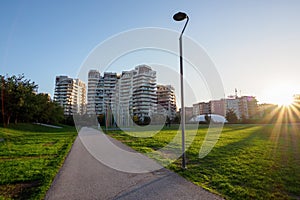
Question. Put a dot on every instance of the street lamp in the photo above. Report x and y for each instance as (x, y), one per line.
(179, 17)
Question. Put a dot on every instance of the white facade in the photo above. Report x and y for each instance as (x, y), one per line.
(123, 109)
(93, 81)
(135, 95)
(100, 91)
(144, 91)
(70, 94)
(132, 93)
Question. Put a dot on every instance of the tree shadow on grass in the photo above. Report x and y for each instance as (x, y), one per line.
(236, 127)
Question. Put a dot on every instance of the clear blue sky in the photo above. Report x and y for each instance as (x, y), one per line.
(255, 44)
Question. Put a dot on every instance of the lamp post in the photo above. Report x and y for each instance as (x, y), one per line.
(179, 17)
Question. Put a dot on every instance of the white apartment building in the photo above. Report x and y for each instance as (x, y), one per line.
(131, 93)
(144, 91)
(70, 94)
(101, 90)
(106, 91)
(124, 95)
(93, 81)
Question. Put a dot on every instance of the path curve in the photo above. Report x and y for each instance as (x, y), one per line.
(84, 177)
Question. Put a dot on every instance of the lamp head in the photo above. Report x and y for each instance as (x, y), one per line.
(180, 16)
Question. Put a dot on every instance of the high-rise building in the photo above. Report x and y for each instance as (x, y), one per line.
(144, 97)
(131, 93)
(123, 110)
(107, 89)
(70, 94)
(101, 90)
(93, 81)
(166, 100)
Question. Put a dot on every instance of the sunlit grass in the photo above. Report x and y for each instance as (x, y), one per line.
(30, 157)
(248, 162)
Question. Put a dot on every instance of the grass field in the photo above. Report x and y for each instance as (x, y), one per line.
(248, 161)
(30, 157)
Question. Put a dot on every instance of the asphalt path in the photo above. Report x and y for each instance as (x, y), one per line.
(84, 176)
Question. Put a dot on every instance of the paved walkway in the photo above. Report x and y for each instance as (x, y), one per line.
(84, 177)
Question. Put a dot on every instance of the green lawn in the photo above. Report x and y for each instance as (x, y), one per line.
(248, 162)
(30, 157)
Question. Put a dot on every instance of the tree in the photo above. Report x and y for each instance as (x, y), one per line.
(177, 118)
(231, 116)
(16, 96)
(20, 102)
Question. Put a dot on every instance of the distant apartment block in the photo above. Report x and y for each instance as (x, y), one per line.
(70, 94)
(244, 107)
(144, 91)
(188, 113)
(124, 96)
(101, 90)
(248, 106)
(233, 103)
(93, 82)
(218, 107)
(201, 108)
(166, 100)
(107, 91)
(131, 93)
(136, 95)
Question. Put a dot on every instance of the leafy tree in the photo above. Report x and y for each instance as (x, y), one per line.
(15, 97)
(231, 116)
(20, 102)
(177, 119)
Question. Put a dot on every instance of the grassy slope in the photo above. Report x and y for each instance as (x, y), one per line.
(248, 162)
(30, 157)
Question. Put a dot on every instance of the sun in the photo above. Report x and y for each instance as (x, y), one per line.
(284, 101)
(282, 95)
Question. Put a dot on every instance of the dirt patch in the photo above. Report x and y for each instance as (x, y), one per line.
(49, 143)
(18, 190)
